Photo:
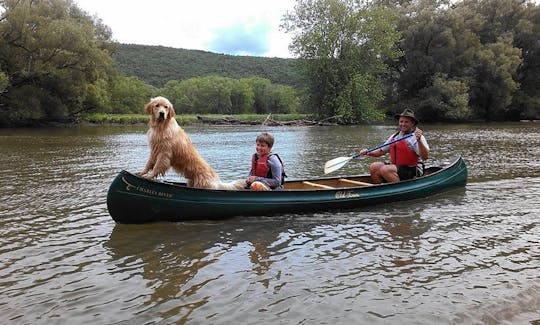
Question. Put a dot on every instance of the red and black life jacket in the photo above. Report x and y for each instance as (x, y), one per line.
(259, 166)
(406, 156)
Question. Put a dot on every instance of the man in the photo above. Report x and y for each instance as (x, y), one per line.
(406, 156)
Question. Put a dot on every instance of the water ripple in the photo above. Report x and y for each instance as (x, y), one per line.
(466, 256)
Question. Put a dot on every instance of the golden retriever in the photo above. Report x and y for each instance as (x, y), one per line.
(170, 146)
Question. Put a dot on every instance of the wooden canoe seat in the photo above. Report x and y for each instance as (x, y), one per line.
(317, 185)
(354, 182)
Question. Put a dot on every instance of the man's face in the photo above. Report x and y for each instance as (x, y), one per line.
(406, 123)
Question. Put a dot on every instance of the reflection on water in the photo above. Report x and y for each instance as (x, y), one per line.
(466, 256)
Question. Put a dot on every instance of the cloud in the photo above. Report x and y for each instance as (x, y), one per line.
(242, 39)
(240, 27)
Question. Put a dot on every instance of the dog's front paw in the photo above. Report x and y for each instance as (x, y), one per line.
(147, 176)
(144, 171)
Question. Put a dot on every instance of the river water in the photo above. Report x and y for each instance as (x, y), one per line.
(470, 256)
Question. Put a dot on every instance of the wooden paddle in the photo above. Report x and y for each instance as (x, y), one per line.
(337, 163)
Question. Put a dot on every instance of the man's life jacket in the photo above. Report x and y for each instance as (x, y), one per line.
(402, 154)
(259, 166)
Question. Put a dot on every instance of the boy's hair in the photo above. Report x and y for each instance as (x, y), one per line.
(266, 138)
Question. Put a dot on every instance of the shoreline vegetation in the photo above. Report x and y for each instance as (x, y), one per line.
(296, 119)
(469, 61)
(212, 119)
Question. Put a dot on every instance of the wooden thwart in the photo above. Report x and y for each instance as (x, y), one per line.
(317, 185)
(350, 181)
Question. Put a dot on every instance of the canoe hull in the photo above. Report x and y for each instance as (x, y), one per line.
(132, 199)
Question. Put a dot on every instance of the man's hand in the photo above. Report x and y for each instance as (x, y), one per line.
(418, 133)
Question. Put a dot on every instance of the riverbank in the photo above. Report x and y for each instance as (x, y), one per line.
(214, 119)
(98, 119)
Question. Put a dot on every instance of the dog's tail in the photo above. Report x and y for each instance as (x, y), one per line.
(238, 184)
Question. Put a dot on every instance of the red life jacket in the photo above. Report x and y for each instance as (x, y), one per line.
(402, 154)
(259, 166)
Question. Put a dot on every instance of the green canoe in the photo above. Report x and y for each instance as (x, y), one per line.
(132, 199)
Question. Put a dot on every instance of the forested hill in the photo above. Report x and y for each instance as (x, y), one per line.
(157, 64)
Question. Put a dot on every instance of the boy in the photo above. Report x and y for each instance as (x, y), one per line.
(267, 171)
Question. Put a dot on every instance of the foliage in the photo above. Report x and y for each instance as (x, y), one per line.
(220, 95)
(262, 89)
(450, 60)
(105, 118)
(362, 92)
(482, 51)
(51, 52)
(493, 88)
(129, 95)
(445, 99)
(184, 119)
(4, 81)
(157, 65)
(344, 45)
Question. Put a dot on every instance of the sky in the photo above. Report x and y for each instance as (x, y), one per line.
(237, 27)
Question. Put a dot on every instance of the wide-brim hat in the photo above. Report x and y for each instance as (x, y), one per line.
(407, 113)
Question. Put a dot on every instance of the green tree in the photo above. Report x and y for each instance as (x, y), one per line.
(486, 48)
(242, 97)
(220, 95)
(526, 101)
(262, 92)
(519, 20)
(284, 100)
(216, 95)
(494, 83)
(364, 92)
(179, 95)
(343, 43)
(208, 95)
(129, 95)
(438, 48)
(98, 97)
(51, 52)
(4, 81)
(445, 100)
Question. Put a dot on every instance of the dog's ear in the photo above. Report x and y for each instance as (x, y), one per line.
(148, 107)
(171, 112)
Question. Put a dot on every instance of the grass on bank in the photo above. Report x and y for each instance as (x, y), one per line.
(186, 119)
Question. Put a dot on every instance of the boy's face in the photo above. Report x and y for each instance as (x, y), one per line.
(262, 148)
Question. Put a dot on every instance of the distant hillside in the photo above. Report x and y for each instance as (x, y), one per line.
(157, 64)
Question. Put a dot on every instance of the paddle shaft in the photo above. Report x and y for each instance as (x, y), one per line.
(356, 155)
(337, 163)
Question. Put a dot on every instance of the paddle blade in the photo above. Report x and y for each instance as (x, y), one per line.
(335, 164)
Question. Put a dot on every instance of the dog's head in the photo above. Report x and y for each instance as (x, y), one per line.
(160, 109)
